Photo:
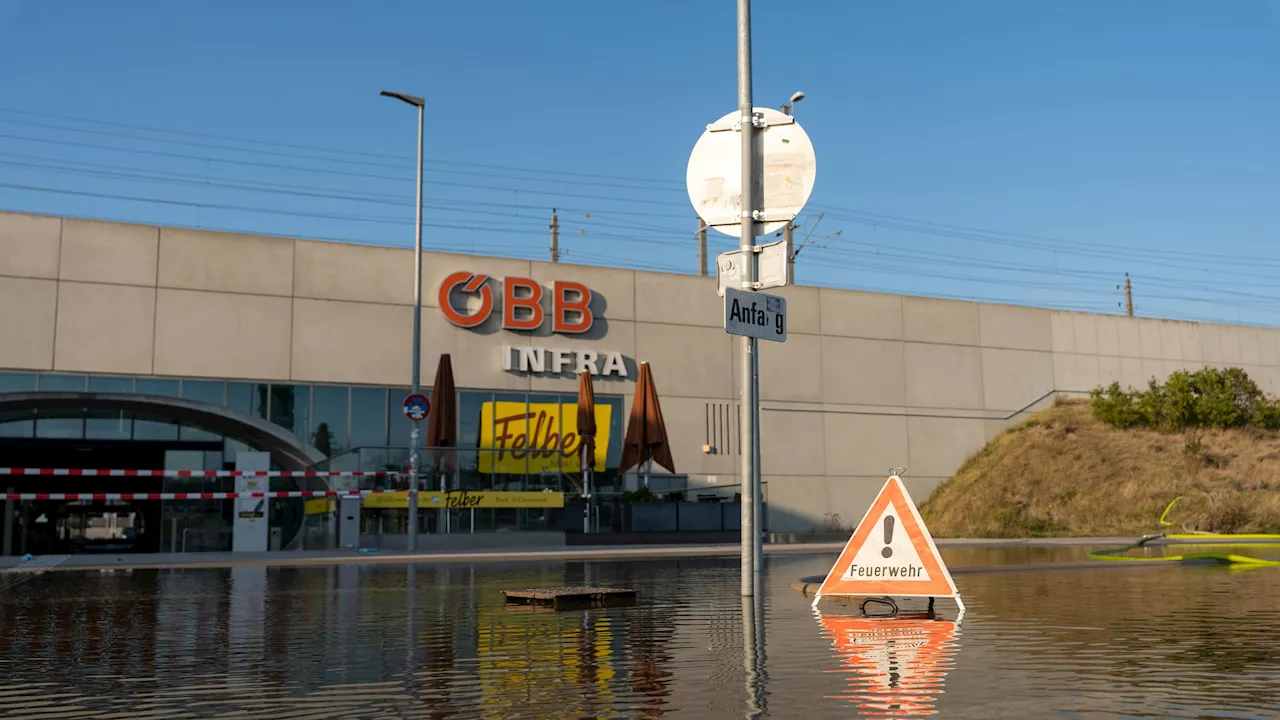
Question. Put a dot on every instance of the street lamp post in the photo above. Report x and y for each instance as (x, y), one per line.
(789, 109)
(417, 324)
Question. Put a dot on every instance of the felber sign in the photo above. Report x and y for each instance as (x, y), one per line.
(521, 303)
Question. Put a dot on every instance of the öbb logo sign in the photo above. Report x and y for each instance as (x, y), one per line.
(521, 303)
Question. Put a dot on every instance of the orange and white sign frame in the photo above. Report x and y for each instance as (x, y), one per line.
(937, 581)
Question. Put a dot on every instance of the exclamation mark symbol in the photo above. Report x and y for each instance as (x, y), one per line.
(888, 536)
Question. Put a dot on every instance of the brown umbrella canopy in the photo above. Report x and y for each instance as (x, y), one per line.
(646, 432)
(586, 420)
(442, 424)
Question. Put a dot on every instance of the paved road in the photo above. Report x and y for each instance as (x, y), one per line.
(338, 557)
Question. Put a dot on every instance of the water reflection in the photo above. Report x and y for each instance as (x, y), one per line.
(895, 666)
(437, 642)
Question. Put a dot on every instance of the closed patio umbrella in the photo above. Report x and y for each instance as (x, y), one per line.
(646, 438)
(586, 441)
(442, 424)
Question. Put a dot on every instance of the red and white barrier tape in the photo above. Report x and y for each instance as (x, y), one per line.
(195, 495)
(77, 472)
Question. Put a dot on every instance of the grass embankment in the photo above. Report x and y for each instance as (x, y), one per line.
(1065, 473)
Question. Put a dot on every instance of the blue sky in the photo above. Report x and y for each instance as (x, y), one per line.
(1029, 151)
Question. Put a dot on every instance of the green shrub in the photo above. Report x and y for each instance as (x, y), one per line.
(1208, 398)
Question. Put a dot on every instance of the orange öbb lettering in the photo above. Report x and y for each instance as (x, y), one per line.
(531, 302)
(571, 315)
(468, 283)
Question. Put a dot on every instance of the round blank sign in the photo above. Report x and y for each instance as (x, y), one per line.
(787, 165)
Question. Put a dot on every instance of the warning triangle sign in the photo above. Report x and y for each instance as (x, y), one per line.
(890, 553)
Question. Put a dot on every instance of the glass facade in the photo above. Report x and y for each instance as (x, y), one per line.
(506, 440)
(510, 441)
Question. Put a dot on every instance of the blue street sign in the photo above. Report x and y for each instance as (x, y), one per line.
(417, 407)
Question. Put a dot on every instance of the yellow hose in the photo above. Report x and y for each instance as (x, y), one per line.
(1220, 558)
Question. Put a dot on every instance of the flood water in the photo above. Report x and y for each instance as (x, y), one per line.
(390, 641)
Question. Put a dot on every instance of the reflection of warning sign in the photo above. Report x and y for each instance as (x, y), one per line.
(896, 667)
(891, 553)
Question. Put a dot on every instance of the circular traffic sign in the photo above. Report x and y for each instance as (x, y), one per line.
(417, 407)
(785, 165)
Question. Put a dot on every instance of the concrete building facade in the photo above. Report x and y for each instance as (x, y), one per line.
(864, 383)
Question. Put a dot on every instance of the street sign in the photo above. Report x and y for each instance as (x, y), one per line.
(417, 407)
(771, 267)
(755, 315)
(785, 168)
(729, 269)
(890, 553)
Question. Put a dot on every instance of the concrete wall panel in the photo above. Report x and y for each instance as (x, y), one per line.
(346, 342)
(1157, 369)
(804, 314)
(943, 376)
(1189, 335)
(1088, 374)
(1149, 338)
(678, 300)
(1108, 334)
(28, 308)
(850, 497)
(1229, 337)
(339, 271)
(861, 315)
(1211, 343)
(1268, 346)
(939, 445)
(1129, 333)
(225, 262)
(1250, 350)
(1005, 326)
(109, 252)
(792, 371)
(1132, 374)
(686, 420)
(796, 504)
(688, 361)
(791, 442)
(1062, 325)
(207, 334)
(940, 321)
(864, 444)
(1085, 334)
(105, 328)
(1170, 340)
(29, 245)
(863, 372)
(1012, 379)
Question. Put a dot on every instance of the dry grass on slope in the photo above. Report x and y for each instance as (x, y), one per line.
(1065, 473)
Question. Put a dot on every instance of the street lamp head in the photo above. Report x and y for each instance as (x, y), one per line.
(411, 99)
(797, 97)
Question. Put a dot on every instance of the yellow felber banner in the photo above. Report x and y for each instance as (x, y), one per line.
(537, 438)
(317, 506)
(467, 499)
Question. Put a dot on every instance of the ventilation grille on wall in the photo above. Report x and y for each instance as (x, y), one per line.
(723, 429)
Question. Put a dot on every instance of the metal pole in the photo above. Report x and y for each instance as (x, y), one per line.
(757, 499)
(8, 525)
(748, 345)
(555, 237)
(702, 247)
(417, 347)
